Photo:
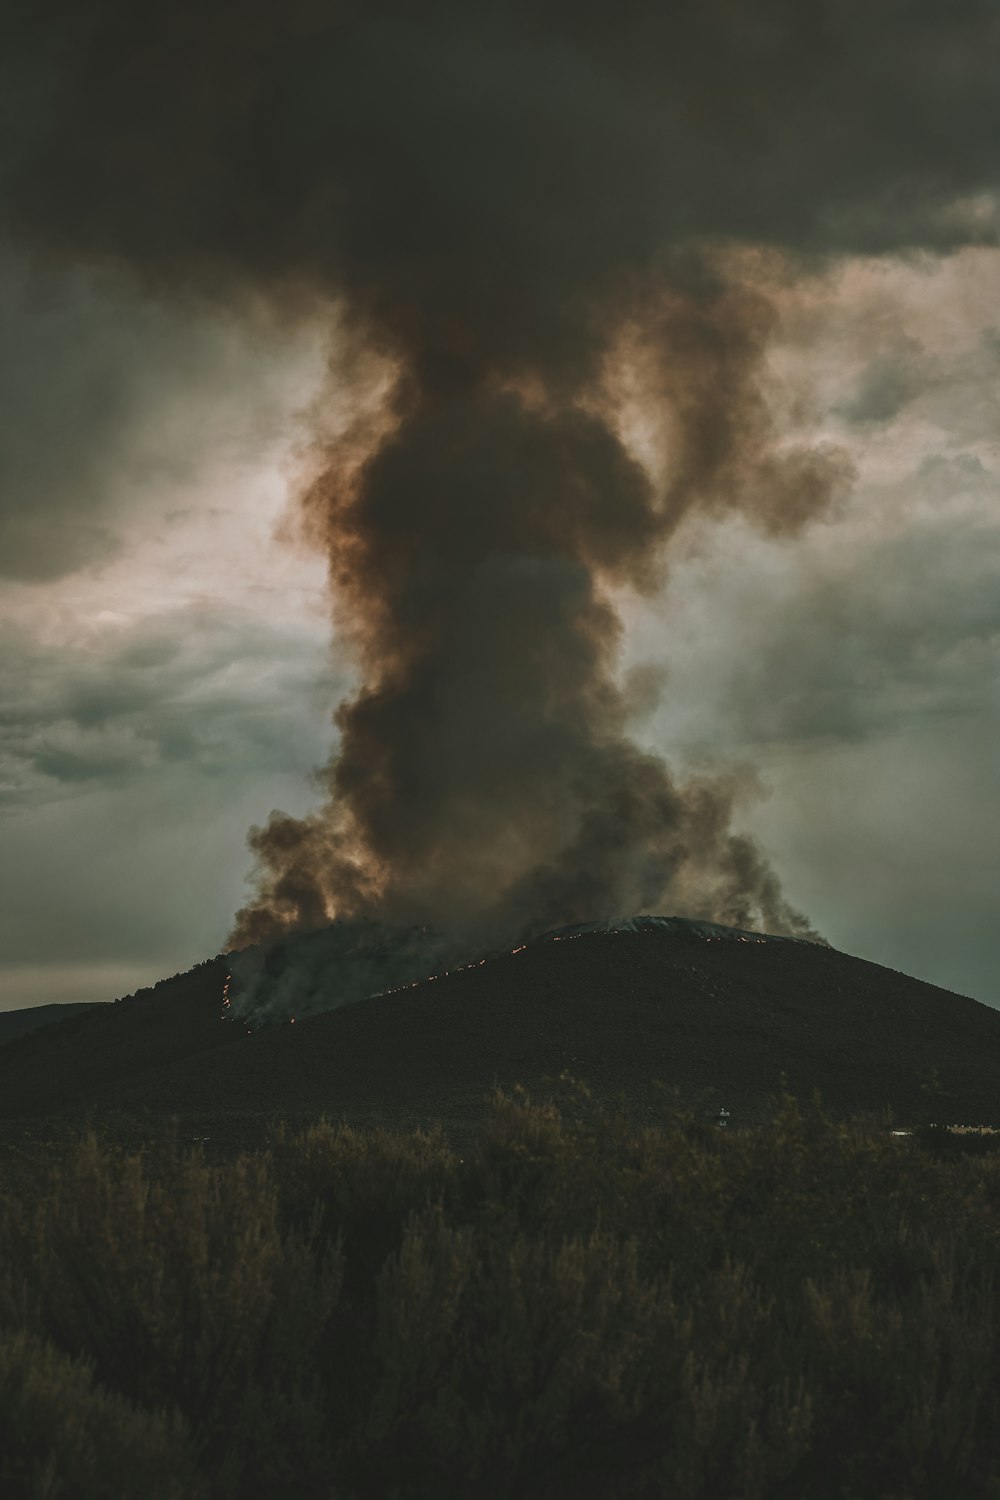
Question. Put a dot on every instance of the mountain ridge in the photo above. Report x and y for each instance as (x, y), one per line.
(22, 1020)
(630, 1013)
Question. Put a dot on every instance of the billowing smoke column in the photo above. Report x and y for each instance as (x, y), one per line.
(508, 203)
(484, 772)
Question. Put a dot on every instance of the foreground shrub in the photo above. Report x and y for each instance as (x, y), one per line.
(61, 1435)
(185, 1293)
(579, 1307)
(357, 1190)
(556, 1369)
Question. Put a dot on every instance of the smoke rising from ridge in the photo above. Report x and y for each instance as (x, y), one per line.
(509, 205)
(484, 770)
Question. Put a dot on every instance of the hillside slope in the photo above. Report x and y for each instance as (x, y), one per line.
(623, 1011)
(15, 1023)
(73, 1063)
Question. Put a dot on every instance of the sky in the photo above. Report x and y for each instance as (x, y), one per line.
(171, 657)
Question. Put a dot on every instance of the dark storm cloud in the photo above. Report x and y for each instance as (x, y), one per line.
(497, 194)
(905, 633)
(131, 762)
(398, 146)
(105, 398)
(213, 693)
(64, 396)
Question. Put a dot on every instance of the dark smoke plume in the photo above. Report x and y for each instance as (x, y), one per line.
(506, 202)
(484, 771)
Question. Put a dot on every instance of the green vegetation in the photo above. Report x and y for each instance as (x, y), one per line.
(577, 1307)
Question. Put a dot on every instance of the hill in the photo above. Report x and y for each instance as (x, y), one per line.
(715, 1014)
(15, 1023)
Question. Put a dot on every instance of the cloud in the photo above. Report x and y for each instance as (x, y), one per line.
(892, 838)
(889, 382)
(140, 876)
(963, 402)
(890, 618)
(909, 630)
(112, 402)
(131, 763)
(215, 690)
(954, 392)
(306, 142)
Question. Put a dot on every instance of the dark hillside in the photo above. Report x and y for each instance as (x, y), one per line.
(74, 1062)
(617, 1010)
(15, 1023)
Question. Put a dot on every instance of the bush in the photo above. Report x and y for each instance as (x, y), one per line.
(61, 1435)
(581, 1307)
(183, 1291)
